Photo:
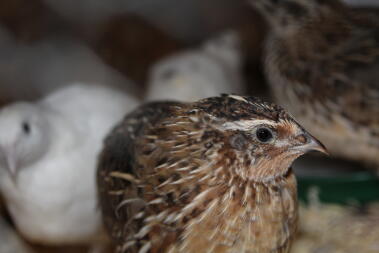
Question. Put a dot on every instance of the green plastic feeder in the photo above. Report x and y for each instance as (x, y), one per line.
(335, 181)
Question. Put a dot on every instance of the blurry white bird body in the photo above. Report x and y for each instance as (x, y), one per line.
(52, 198)
(209, 71)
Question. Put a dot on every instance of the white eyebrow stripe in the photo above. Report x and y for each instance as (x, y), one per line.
(246, 124)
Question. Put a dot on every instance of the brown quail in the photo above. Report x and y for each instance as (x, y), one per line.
(322, 63)
(208, 176)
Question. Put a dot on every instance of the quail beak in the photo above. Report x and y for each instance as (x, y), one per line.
(11, 165)
(311, 144)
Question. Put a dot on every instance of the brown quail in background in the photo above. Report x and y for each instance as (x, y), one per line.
(322, 63)
(208, 176)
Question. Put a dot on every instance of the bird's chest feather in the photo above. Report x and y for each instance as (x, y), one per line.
(51, 200)
(254, 219)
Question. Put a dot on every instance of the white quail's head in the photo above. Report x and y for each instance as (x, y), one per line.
(23, 136)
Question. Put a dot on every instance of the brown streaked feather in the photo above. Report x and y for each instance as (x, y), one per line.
(172, 179)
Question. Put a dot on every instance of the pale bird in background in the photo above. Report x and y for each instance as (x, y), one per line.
(48, 155)
(213, 69)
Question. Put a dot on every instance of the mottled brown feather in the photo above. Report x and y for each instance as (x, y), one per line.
(324, 68)
(174, 177)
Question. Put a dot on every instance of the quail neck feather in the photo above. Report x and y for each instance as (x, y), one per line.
(48, 153)
(322, 62)
(208, 176)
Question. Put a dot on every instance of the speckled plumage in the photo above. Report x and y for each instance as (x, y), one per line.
(194, 177)
(322, 62)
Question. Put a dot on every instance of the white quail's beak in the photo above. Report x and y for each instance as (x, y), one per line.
(11, 163)
(311, 144)
(12, 166)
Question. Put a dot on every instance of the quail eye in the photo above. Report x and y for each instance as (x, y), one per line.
(26, 128)
(264, 134)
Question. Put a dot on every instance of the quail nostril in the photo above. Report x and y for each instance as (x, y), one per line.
(307, 142)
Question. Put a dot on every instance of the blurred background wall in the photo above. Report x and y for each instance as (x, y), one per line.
(47, 43)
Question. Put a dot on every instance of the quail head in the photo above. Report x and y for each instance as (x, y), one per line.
(208, 176)
(322, 63)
